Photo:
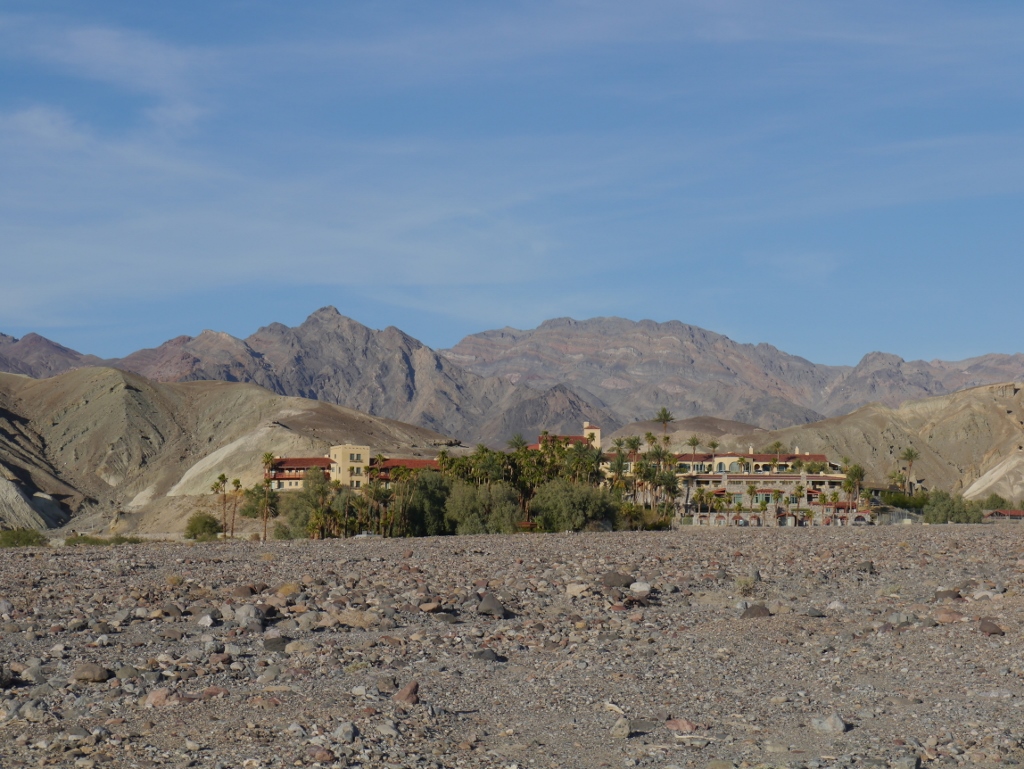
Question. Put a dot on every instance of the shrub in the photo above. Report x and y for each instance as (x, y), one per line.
(202, 527)
(22, 538)
(491, 509)
(174, 580)
(942, 507)
(88, 539)
(563, 506)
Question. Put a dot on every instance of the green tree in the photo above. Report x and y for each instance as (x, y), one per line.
(664, 416)
(202, 526)
(563, 506)
(909, 455)
(315, 503)
(426, 506)
(942, 507)
(751, 493)
(236, 496)
(713, 445)
(486, 509)
(693, 442)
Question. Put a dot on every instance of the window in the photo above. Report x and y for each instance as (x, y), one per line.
(354, 484)
(355, 457)
(355, 470)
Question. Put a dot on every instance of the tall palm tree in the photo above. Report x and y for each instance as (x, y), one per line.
(664, 416)
(236, 495)
(751, 493)
(713, 445)
(693, 442)
(909, 455)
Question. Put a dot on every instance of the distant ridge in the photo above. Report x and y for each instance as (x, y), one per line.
(492, 385)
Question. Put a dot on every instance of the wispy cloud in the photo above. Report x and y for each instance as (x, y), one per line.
(129, 60)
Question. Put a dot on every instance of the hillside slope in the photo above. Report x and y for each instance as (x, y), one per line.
(970, 442)
(114, 441)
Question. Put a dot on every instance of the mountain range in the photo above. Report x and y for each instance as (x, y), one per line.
(494, 384)
(141, 438)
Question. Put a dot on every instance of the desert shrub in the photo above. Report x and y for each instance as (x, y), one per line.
(942, 507)
(92, 541)
(174, 580)
(905, 501)
(490, 509)
(202, 527)
(995, 502)
(562, 506)
(284, 531)
(22, 538)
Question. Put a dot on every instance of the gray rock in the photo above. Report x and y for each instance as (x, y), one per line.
(832, 724)
(815, 612)
(906, 762)
(345, 733)
(277, 643)
(620, 730)
(127, 673)
(387, 729)
(755, 610)
(617, 579)
(90, 672)
(490, 605)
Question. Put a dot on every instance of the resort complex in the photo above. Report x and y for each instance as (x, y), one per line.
(728, 488)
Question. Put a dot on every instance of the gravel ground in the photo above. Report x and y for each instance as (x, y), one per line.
(888, 646)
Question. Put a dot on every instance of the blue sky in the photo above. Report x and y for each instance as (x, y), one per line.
(830, 178)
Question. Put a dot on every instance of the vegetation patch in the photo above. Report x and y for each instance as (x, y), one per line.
(22, 538)
(202, 527)
(93, 541)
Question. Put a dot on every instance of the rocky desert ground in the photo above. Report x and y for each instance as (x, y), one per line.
(886, 646)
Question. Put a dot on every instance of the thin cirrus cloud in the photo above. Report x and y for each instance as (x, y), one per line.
(492, 164)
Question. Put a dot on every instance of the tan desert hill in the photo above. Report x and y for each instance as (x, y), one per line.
(970, 442)
(107, 440)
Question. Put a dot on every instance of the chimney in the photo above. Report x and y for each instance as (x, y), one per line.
(796, 449)
(750, 449)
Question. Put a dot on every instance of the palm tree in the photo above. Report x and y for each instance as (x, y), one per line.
(776, 449)
(236, 495)
(713, 445)
(221, 487)
(664, 416)
(693, 442)
(700, 497)
(268, 503)
(909, 455)
(855, 473)
(751, 493)
(651, 440)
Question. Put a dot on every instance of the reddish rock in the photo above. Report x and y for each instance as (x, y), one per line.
(409, 694)
(681, 725)
(158, 698)
(989, 627)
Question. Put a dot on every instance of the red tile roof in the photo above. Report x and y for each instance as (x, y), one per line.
(301, 463)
